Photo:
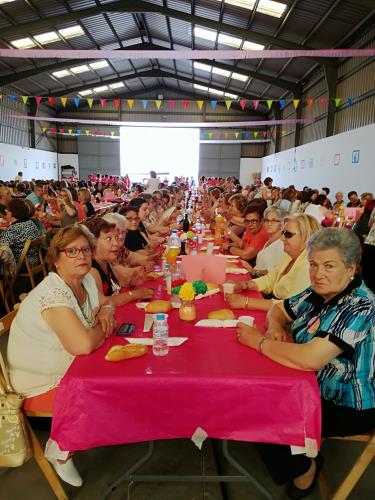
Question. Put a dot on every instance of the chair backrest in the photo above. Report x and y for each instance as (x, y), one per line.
(37, 243)
(6, 322)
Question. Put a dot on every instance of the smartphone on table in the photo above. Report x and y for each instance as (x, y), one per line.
(125, 329)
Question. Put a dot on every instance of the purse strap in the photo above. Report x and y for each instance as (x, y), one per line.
(7, 387)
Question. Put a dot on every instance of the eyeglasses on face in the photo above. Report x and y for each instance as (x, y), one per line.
(251, 221)
(288, 234)
(272, 221)
(73, 252)
(132, 219)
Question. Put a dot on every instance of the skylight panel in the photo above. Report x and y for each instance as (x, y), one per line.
(238, 76)
(49, 37)
(229, 40)
(116, 85)
(79, 69)
(214, 91)
(271, 8)
(205, 34)
(23, 43)
(200, 87)
(72, 32)
(85, 92)
(61, 74)
(221, 72)
(6, 1)
(231, 96)
(103, 88)
(98, 64)
(202, 66)
(252, 46)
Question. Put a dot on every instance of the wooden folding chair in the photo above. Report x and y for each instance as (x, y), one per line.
(50, 233)
(31, 271)
(46, 468)
(356, 472)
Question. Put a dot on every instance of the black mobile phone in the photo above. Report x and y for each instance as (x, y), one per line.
(125, 329)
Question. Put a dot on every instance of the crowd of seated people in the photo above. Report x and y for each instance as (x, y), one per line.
(94, 257)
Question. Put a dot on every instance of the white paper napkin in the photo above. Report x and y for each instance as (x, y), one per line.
(214, 291)
(236, 270)
(172, 341)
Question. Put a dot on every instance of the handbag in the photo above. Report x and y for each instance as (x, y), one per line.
(14, 441)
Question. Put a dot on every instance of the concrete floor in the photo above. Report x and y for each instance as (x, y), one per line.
(101, 466)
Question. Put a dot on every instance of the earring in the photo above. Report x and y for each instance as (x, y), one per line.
(351, 278)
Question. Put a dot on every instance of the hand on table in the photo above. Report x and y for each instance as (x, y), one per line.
(236, 301)
(106, 319)
(143, 293)
(280, 334)
(248, 335)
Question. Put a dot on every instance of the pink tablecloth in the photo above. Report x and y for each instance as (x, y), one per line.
(211, 381)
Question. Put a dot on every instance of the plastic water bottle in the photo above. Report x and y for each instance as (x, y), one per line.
(174, 246)
(160, 335)
(168, 279)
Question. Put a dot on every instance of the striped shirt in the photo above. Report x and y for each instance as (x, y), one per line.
(349, 321)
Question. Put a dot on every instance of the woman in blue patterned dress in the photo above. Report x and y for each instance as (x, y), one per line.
(332, 324)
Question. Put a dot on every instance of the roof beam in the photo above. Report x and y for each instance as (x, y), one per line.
(141, 6)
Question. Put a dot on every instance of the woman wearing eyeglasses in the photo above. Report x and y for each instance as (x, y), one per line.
(290, 277)
(135, 240)
(66, 315)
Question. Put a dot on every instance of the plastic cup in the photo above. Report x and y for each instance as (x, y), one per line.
(228, 288)
(248, 320)
(210, 248)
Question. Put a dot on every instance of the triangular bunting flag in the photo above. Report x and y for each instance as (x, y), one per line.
(226, 135)
(70, 131)
(158, 103)
(25, 98)
(269, 103)
(63, 101)
(282, 103)
(116, 102)
(77, 100)
(295, 102)
(228, 104)
(273, 133)
(264, 133)
(256, 134)
(87, 132)
(103, 102)
(96, 132)
(11, 99)
(213, 104)
(78, 131)
(61, 130)
(337, 101)
(350, 101)
(323, 102)
(51, 100)
(186, 103)
(236, 134)
(309, 102)
(218, 135)
(144, 103)
(256, 104)
(90, 100)
(201, 135)
(38, 100)
(104, 131)
(247, 135)
(200, 104)
(210, 134)
(43, 130)
(53, 130)
(243, 104)
(112, 133)
(171, 103)
(130, 103)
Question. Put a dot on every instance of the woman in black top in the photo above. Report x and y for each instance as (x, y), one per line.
(106, 251)
(98, 191)
(134, 239)
(84, 197)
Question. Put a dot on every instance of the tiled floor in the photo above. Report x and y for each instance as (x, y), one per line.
(102, 466)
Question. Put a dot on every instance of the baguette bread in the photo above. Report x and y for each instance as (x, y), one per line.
(158, 306)
(120, 352)
(221, 314)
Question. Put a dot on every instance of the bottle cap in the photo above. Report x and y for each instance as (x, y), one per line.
(160, 316)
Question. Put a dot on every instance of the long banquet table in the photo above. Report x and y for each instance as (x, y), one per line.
(211, 381)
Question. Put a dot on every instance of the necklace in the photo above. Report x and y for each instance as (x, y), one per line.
(86, 307)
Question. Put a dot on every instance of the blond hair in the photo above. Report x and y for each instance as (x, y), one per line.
(307, 225)
(86, 192)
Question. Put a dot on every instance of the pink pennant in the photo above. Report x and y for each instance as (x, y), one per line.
(51, 100)
(103, 102)
(53, 130)
(61, 130)
(264, 133)
(256, 103)
(104, 131)
(323, 102)
(116, 102)
(243, 104)
(218, 135)
(171, 103)
(96, 132)
(186, 104)
(38, 100)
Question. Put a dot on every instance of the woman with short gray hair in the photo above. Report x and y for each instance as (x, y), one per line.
(332, 324)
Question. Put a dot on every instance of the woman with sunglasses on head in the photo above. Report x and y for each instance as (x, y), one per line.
(332, 323)
(66, 315)
(292, 274)
(106, 252)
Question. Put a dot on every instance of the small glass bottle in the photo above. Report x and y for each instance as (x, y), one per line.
(160, 335)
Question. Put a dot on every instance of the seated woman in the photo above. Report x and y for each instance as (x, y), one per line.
(290, 277)
(20, 230)
(63, 317)
(332, 324)
(318, 209)
(273, 251)
(135, 240)
(253, 239)
(68, 212)
(106, 252)
(143, 212)
(84, 198)
(80, 210)
(237, 206)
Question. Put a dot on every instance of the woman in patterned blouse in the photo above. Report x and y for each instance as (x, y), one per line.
(332, 324)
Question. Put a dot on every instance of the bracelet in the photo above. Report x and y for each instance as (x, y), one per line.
(111, 306)
(130, 293)
(246, 303)
(261, 344)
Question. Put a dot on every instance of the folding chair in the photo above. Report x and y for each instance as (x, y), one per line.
(24, 259)
(46, 468)
(356, 472)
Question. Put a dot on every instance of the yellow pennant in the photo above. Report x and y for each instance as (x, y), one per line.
(295, 102)
(255, 134)
(43, 130)
(210, 134)
(63, 100)
(200, 104)
(112, 133)
(158, 103)
(70, 131)
(269, 103)
(87, 132)
(131, 103)
(228, 104)
(25, 98)
(90, 101)
(236, 134)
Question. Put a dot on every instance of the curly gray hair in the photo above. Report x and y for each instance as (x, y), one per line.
(344, 241)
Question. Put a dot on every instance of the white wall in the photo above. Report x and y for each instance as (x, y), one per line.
(34, 163)
(68, 159)
(249, 166)
(328, 162)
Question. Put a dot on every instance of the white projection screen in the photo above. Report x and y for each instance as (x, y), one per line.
(170, 152)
